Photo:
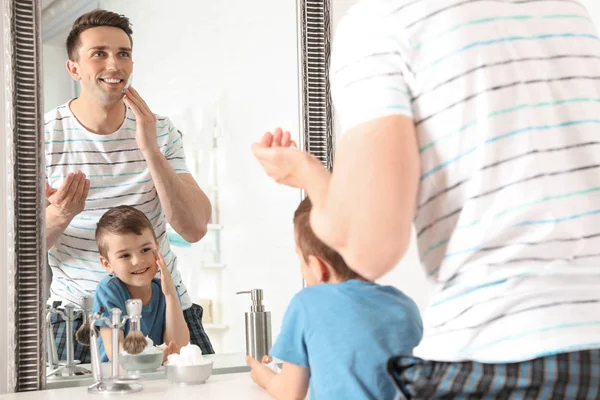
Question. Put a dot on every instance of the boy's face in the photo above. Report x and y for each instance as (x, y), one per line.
(104, 63)
(131, 257)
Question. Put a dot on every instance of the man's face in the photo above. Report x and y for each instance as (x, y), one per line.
(104, 63)
(131, 257)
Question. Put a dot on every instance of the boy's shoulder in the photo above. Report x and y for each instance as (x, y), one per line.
(367, 294)
(109, 280)
(349, 287)
(111, 286)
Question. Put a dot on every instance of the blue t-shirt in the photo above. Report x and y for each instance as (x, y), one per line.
(112, 293)
(345, 333)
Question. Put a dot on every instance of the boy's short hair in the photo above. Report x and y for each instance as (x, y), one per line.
(310, 245)
(95, 19)
(121, 220)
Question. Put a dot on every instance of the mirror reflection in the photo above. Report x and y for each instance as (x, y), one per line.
(155, 108)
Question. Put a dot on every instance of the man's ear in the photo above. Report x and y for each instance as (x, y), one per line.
(73, 69)
(318, 269)
(106, 264)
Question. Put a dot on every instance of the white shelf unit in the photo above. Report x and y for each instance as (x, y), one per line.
(213, 266)
(216, 327)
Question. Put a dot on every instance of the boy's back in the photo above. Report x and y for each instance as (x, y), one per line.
(345, 333)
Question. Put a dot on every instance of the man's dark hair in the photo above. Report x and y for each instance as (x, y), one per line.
(94, 19)
(310, 245)
(118, 221)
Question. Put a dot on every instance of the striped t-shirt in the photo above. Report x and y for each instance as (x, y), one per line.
(118, 175)
(505, 97)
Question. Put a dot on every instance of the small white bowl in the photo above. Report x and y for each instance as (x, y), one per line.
(148, 362)
(189, 374)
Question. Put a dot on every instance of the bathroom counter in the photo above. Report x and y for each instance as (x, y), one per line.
(219, 387)
(228, 363)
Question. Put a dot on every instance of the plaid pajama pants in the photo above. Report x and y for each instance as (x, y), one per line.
(572, 376)
(193, 318)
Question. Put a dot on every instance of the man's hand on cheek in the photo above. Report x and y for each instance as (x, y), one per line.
(145, 135)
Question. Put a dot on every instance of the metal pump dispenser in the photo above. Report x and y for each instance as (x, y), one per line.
(258, 326)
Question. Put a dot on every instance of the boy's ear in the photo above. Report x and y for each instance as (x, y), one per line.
(318, 269)
(106, 264)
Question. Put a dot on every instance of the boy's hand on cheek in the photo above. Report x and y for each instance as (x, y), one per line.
(166, 280)
(259, 373)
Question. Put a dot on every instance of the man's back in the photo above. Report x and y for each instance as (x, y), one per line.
(345, 334)
(505, 96)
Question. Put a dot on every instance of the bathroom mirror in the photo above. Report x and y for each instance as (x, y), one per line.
(226, 71)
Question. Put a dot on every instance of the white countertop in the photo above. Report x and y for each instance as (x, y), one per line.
(219, 387)
(227, 363)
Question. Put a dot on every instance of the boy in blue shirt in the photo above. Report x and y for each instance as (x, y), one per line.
(129, 253)
(339, 332)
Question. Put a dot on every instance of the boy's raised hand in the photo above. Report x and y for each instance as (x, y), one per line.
(166, 280)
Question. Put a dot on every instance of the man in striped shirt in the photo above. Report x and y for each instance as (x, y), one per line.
(106, 148)
(478, 121)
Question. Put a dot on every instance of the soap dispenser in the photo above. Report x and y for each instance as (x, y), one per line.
(258, 326)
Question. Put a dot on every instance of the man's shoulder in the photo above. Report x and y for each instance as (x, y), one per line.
(164, 124)
(162, 119)
(57, 114)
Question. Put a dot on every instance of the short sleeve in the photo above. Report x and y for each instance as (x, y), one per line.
(368, 69)
(290, 345)
(173, 150)
(108, 295)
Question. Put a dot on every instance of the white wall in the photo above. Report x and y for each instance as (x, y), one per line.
(593, 7)
(58, 85)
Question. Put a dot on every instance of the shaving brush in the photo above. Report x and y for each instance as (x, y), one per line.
(83, 334)
(135, 342)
